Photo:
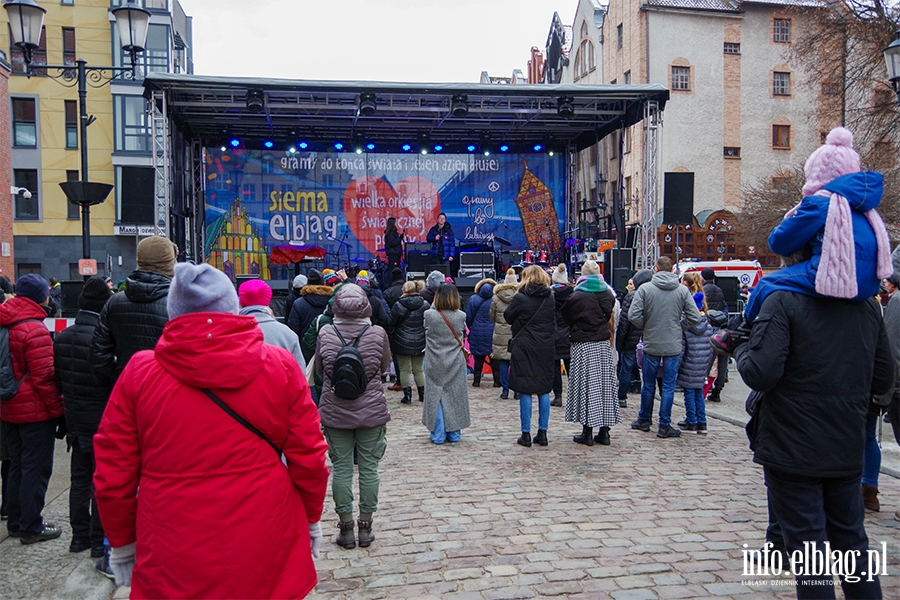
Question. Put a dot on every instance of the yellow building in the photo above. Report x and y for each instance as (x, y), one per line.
(45, 145)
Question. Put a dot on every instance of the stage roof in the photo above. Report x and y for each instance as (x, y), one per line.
(215, 108)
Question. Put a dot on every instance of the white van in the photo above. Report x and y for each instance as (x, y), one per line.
(747, 272)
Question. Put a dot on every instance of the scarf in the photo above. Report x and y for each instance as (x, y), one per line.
(592, 283)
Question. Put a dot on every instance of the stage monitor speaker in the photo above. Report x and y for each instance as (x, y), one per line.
(477, 261)
(445, 269)
(678, 199)
(138, 190)
(418, 246)
(71, 290)
(415, 261)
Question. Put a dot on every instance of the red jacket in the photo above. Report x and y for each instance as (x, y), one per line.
(219, 515)
(31, 348)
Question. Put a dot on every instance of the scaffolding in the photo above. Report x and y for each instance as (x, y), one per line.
(648, 249)
(162, 159)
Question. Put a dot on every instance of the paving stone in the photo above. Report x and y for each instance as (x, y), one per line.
(455, 574)
(649, 568)
(634, 595)
(508, 593)
(727, 589)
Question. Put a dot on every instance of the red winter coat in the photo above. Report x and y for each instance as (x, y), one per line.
(31, 347)
(218, 515)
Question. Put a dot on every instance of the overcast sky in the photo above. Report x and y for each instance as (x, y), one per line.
(381, 40)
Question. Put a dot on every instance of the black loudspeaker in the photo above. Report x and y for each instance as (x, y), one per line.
(71, 290)
(678, 199)
(138, 191)
(416, 260)
(588, 230)
(622, 258)
(445, 269)
(731, 290)
(621, 275)
(466, 287)
(631, 236)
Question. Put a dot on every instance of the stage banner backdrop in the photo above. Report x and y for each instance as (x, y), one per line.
(256, 200)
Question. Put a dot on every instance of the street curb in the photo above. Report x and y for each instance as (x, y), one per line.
(84, 583)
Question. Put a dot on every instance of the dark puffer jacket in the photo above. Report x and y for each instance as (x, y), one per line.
(532, 363)
(478, 318)
(819, 361)
(561, 293)
(407, 326)
(715, 298)
(311, 303)
(697, 357)
(131, 321)
(85, 393)
(31, 350)
(627, 334)
(393, 293)
(351, 314)
(381, 314)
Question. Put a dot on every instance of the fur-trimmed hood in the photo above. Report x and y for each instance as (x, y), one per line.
(482, 282)
(318, 290)
(505, 291)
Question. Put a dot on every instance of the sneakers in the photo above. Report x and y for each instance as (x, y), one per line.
(396, 387)
(701, 428)
(517, 396)
(504, 395)
(684, 425)
(102, 567)
(623, 403)
(524, 439)
(668, 432)
(726, 342)
(50, 532)
(640, 425)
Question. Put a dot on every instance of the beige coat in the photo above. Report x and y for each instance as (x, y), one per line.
(503, 294)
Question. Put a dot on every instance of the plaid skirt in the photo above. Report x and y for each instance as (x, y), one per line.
(593, 386)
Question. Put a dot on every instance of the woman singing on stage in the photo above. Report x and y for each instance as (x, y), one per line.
(393, 243)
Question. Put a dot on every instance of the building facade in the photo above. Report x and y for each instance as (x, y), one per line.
(46, 145)
(7, 260)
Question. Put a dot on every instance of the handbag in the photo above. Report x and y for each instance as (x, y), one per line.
(311, 372)
(510, 344)
(241, 420)
(466, 353)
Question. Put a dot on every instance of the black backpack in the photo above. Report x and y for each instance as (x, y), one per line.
(348, 375)
(9, 385)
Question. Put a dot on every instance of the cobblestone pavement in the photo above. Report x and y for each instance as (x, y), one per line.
(488, 519)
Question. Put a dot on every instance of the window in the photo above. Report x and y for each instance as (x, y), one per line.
(132, 124)
(73, 210)
(681, 78)
(28, 269)
(781, 136)
(68, 35)
(626, 78)
(38, 55)
(781, 84)
(154, 58)
(67, 2)
(628, 139)
(26, 208)
(584, 29)
(730, 48)
(24, 123)
(585, 62)
(71, 124)
(782, 31)
(148, 4)
(731, 152)
(620, 35)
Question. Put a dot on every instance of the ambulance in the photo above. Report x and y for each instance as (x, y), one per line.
(746, 272)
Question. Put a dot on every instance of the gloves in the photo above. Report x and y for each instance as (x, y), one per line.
(315, 538)
(61, 428)
(121, 561)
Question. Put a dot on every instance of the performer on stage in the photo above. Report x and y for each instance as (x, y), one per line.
(443, 244)
(393, 244)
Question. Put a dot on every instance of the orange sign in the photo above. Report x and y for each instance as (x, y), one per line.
(87, 266)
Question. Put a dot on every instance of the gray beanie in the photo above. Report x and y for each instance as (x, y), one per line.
(299, 281)
(201, 288)
(434, 280)
(641, 277)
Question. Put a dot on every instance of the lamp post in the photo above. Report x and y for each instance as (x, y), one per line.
(26, 20)
(892, 60)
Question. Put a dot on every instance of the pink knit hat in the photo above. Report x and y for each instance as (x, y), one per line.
(834, 158)
(255, 293)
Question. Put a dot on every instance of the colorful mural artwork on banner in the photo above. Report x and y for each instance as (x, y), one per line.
(257, 200)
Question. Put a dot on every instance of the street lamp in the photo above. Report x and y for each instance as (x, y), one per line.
(892, 60)
(26, 20)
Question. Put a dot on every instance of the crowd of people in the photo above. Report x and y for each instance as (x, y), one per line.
(128, 382)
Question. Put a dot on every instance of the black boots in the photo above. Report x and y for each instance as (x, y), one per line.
(407, 396)
(476, 380)
(586, 436)
(366, 537)
(541, 438)
(524, 439)
(421, 391)
(346, 538)
(557, 399)
(602, 436)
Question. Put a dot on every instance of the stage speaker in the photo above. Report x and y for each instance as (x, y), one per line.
(622, 258)
(71, 290)
(445, 269)
(678, 199)
(731, 290)
(415, 261)
(138, 191)
(621, 275)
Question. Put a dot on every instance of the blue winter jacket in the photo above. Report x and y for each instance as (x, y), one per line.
(863, 190)
(478, 318)
(441, 248)
(697, 356)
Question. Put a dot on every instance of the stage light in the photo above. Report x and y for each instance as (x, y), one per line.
(504, 148)
(234, 142)
(538, 147)
(550, 153)
(358, 140)
(223, 148)
(424, 143)
(256, 101)
(487, 146)
(370, 146)
(438, 147)
(471, 147)
(292, 150)
(406, 147)
(338, 146)
(367, 105)
(459, 105)
(303, 145)
(565, 107)
(268, 143)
